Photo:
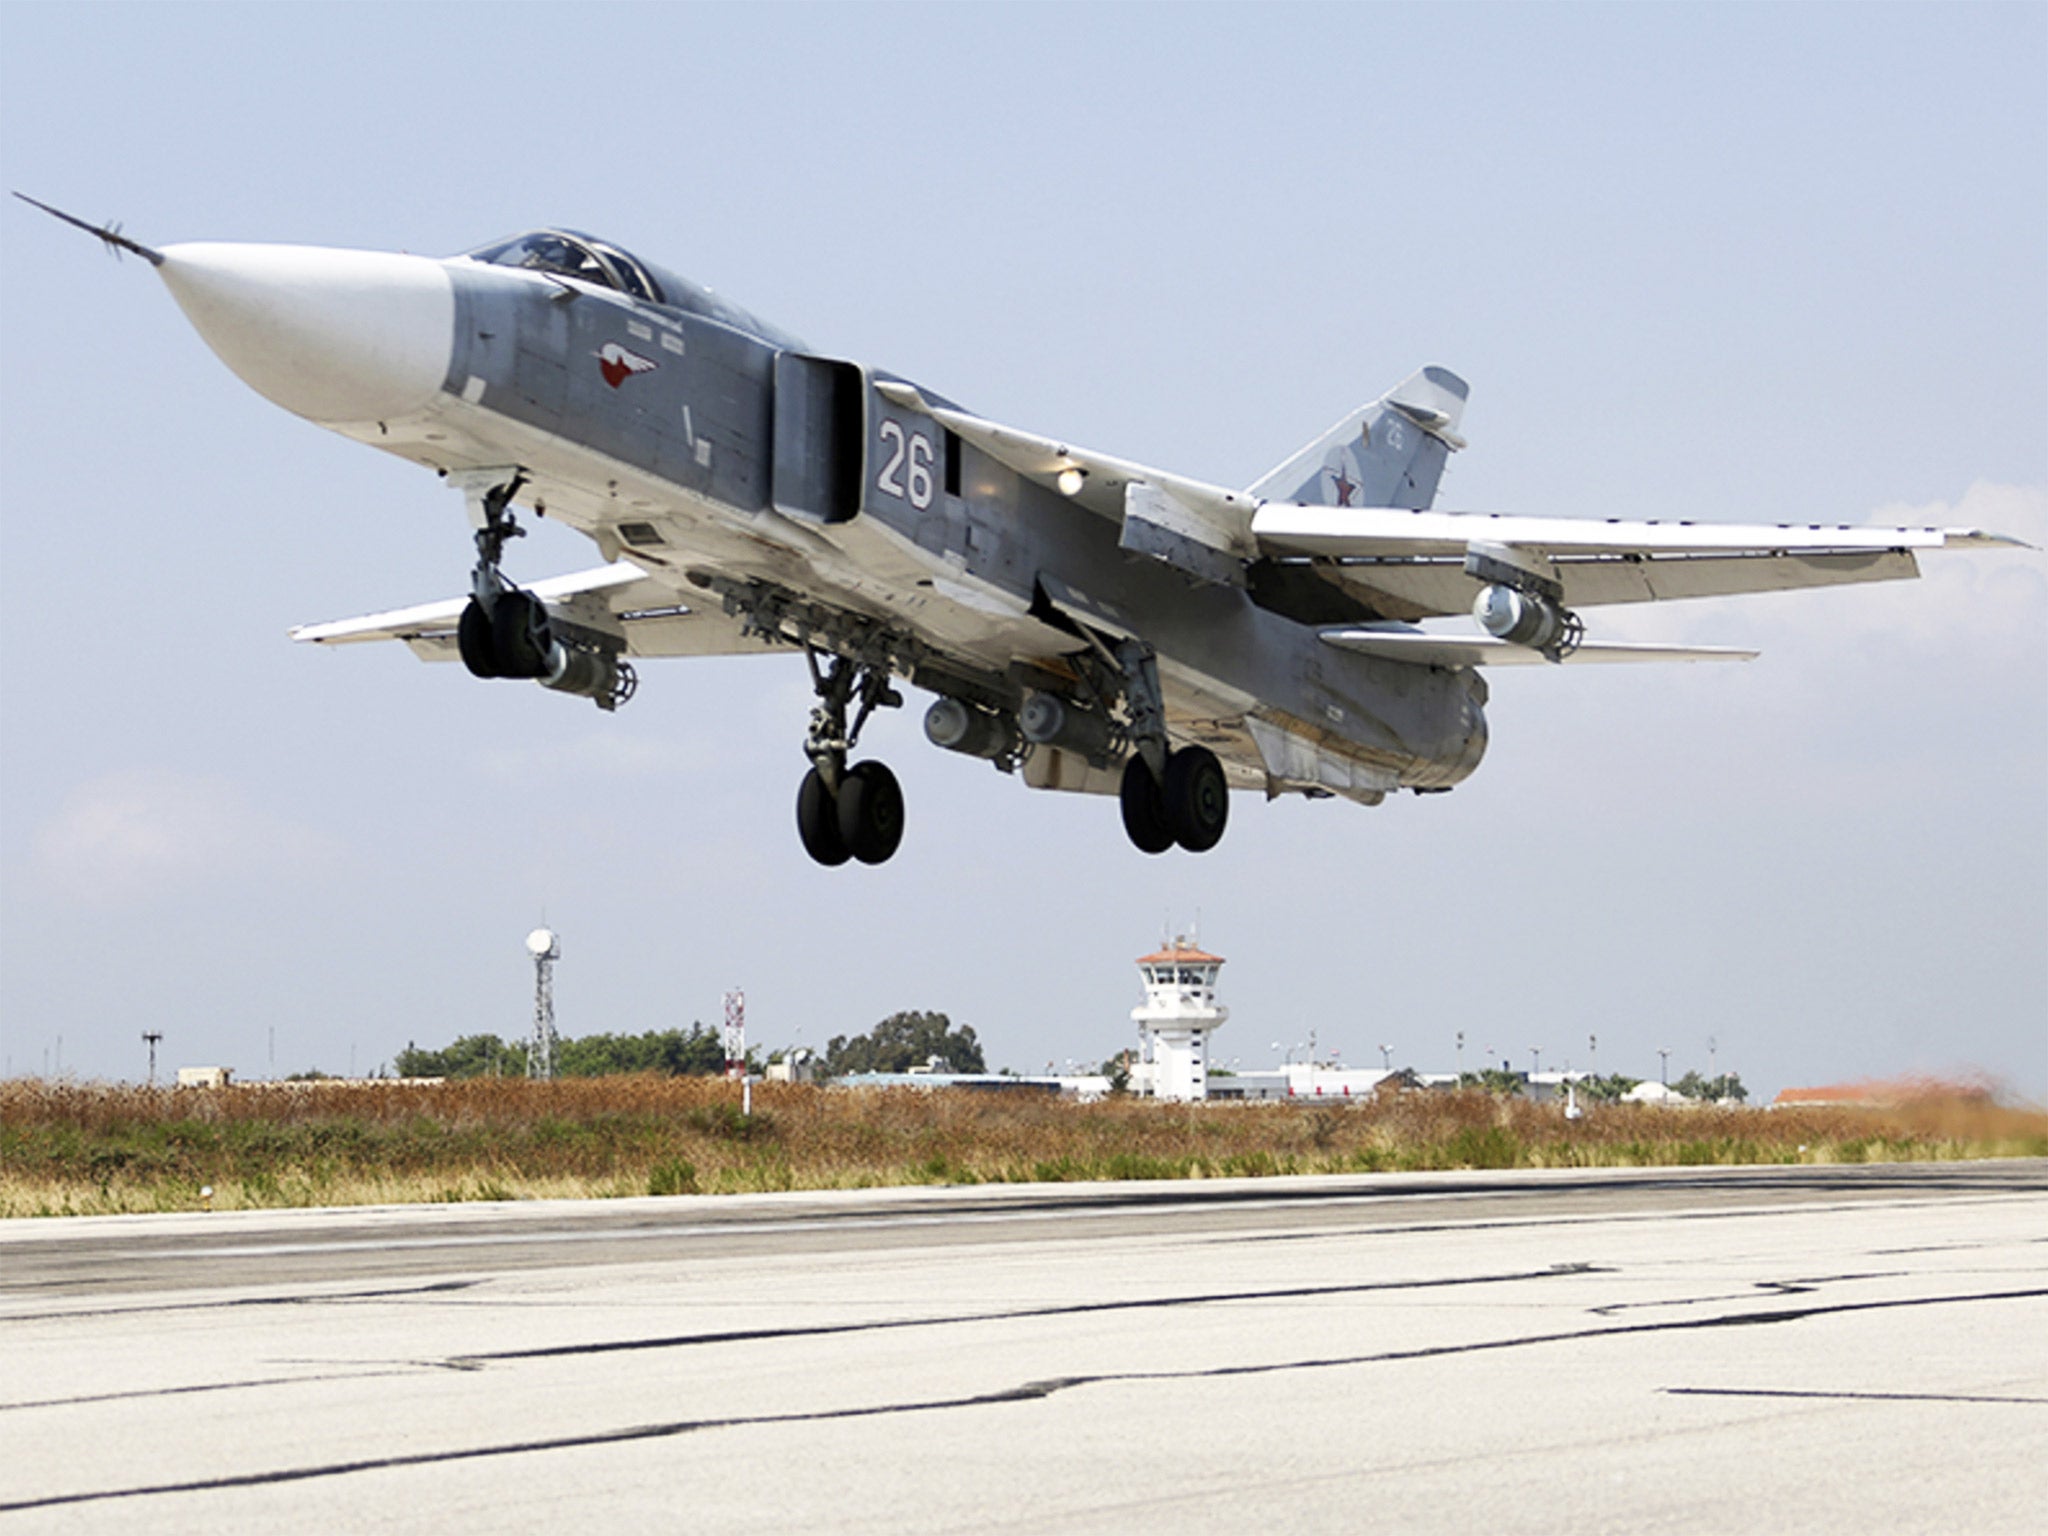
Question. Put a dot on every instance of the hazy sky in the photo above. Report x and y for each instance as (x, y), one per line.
(1776, 263)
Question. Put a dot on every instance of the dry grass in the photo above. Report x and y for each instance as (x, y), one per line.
(70, 1148)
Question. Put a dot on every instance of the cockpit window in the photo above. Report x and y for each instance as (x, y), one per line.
(572, 255)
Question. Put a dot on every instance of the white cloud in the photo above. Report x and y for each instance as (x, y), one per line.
(145, 833)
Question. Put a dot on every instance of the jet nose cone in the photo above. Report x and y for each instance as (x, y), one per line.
(335, 336)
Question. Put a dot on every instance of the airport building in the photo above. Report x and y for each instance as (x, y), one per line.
(1175, 1021)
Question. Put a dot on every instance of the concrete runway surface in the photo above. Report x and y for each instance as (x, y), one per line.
(1858, 1349)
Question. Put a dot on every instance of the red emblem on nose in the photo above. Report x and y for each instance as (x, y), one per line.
(618, 365)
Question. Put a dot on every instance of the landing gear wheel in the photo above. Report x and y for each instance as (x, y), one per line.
(1197, 798)
(1144, 807)
(817, 821)
(870, 812)
(473, 639)
(519, 635)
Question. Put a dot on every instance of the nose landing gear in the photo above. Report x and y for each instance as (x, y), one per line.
(505, 630)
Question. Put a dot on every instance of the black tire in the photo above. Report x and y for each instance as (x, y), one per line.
(1144, 808)
(1197, 799)
(817, 821)
(473, 639)
(871, 812)
(519, 635)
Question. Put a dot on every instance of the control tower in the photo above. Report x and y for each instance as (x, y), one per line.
(1180, 1010)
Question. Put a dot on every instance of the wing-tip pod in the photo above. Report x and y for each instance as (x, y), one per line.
(1423, 648)
(1980, 538)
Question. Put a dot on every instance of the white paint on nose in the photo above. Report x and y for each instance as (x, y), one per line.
(335, 336)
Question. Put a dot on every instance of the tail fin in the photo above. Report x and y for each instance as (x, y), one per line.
(1390, 453)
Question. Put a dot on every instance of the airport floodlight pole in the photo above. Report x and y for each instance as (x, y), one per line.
(1386, 1058)
(150, 1037)
(1664, 1065)
(546, 948)
(1535, 1059)
(1713, 1049)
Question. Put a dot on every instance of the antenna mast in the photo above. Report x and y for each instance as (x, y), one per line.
(736, 1047)
(546, 948)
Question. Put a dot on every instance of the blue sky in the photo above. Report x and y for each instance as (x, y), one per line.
(1767, 263)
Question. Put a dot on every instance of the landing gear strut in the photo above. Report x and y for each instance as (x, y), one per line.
(505, 630)
(1167, 796)
(846, 811)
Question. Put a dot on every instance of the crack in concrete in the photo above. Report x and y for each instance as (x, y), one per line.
(210, 1386)
(1871, 1397)
(1074, 1309)
(438, 1287)
(1801, 1287)
(1027, 1392)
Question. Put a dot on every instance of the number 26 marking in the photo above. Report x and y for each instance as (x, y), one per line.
(912, 455)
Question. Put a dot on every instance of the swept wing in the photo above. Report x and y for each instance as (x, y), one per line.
(1414, 561)
(643, 615)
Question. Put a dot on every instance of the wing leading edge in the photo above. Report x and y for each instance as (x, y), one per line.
(1414, 562)
(619, 599)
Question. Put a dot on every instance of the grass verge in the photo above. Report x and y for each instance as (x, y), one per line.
(84, 1149)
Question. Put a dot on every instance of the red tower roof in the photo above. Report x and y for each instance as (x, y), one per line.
(1178, 951)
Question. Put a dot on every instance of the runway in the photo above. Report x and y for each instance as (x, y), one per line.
(1715, 1350)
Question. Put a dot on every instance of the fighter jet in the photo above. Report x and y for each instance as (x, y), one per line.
(1085, 623)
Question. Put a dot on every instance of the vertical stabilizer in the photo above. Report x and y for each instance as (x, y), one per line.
(1390, 453)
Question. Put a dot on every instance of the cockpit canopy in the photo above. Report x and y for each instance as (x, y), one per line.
(570, 254)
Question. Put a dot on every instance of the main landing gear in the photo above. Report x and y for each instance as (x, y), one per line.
(1189, 804)
(1167, 796)
(847, 811)
(1111, 711)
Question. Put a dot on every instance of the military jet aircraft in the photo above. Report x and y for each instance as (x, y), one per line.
(1086, 623)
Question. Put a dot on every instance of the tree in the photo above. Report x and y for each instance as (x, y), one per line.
(1498, 1080)
(697, 1052)
(903, 1041)
(470, 1056)
(1611, 1089)
(1712, 1090)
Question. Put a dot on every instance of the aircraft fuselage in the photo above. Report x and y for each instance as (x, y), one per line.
(699, 445)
